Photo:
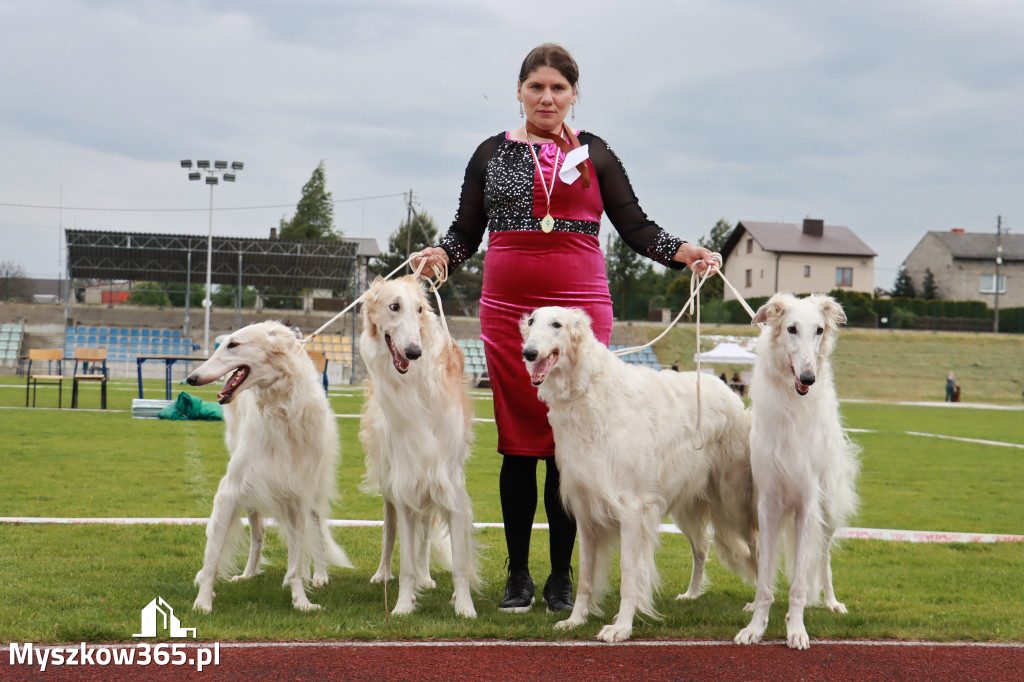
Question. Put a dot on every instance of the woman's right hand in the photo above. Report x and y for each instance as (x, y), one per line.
(434, 259)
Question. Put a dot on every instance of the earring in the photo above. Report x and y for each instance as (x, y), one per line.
(573, 109)
(521, 112)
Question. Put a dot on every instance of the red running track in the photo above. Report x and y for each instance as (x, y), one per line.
(565, 662)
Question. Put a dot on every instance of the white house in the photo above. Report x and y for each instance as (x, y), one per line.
(761, 259)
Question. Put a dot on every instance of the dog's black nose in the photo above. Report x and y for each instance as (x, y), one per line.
(191, 379)
(413, 353)
(807, 380)
(530, 354)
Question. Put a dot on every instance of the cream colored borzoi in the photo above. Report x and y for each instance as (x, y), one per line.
(804, 466)
(416, 431)
(283, 443)
(629, 452)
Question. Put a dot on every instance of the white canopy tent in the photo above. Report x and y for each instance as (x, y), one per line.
(727, 354)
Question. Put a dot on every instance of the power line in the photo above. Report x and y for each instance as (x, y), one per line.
(190, 210)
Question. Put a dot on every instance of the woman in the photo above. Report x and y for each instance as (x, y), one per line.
(543, 216)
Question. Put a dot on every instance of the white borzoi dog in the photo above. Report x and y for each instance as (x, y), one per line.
(804, 466)
(416, 431)
(283, 443)
(629, 452)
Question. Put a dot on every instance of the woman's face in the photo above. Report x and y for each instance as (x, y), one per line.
(546, 96)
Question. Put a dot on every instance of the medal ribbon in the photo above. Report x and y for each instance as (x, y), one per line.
(566, 146)
(540, 171)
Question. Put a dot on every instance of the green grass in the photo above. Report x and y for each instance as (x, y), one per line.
(69, 583)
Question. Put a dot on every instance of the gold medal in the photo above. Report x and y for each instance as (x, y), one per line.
(547, 223)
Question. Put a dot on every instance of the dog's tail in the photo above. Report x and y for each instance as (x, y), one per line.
(441, 543)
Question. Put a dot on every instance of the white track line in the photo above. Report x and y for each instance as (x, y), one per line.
(844, 533)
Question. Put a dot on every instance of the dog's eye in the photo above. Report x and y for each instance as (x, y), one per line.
(556, 325)
(529, 323)
(791, 329)
(394, 307)
(821, 330)
(420, 311)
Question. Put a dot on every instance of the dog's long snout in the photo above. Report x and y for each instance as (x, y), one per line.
(530, 353)
(192, 380)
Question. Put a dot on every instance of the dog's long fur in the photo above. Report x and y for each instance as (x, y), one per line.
(804, 467)
(629, 452)
(283, 443)
(416, 431)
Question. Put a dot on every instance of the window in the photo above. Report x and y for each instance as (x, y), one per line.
(844, 277)
(750, 246)
(988, 284)
(750, 278)
(807, 271)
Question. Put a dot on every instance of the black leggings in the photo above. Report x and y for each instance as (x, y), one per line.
(518, 488)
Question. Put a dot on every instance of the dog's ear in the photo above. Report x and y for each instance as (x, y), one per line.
(524, 325)
(580, 328)
(770, 311)
(369, 300)
(831, 309)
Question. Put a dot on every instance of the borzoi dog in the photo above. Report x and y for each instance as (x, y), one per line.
(416, 431)
(804, 466)
(283, 443)
(629, 452)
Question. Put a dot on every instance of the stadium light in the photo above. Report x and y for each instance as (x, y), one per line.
(212, 179)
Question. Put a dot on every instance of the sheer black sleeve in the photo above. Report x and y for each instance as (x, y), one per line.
(467, 230)
(639, 232)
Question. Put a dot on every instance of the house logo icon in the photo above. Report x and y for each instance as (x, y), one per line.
(151, 617)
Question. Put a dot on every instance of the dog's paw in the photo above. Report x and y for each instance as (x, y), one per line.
(797, 638)
(569, 623)
(615, 633)
(465, 610)
(403, 608)
(836, 607)
(425, 583)
(689, 594)
(749, 607)
(320, 579)
(204, 605)
(244, 576)
(381, 576)
(307, 606)
(749, 635)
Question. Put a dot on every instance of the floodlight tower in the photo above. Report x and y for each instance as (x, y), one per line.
(213, 174)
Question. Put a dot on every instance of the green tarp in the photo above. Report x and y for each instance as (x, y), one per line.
(187, 407)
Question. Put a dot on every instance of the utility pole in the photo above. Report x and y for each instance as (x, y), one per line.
(408, 230)
(999, 262)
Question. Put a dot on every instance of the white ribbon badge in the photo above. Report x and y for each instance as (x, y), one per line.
(568, 173)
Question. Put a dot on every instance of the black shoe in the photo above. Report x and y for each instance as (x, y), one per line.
(558, 592)
(518, 592)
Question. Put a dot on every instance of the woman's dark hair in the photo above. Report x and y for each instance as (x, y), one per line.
(555, 56)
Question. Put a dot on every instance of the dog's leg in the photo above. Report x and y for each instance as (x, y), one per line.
(805, 527)
(223, 517)
(831, 602)
(383, 573)
(636, 547)
(256, 534)
(320, 532)
(694, 526)
(769, 516)
(423, 579)
(296, 521)
(408, 530)
(585, 585)
(460, 526)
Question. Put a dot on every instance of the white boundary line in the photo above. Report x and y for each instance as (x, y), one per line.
(966, 440)
(844, 533)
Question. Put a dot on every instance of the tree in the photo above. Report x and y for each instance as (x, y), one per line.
(718, 236)
(149, 294)
(14, 285)
(625, 268)
(904, 285)
(314, 214)
(931, 291)
(415, 234)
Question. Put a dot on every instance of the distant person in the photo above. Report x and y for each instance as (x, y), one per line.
(723, 378)
(950, 387)
(737, 383)
(675, 366)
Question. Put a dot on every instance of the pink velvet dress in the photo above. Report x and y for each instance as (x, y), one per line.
(526, 268)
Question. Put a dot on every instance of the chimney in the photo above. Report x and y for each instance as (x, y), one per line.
(957, 230)
(273, 233)
(814, 227)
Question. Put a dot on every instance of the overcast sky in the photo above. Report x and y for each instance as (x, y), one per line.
(890, 117)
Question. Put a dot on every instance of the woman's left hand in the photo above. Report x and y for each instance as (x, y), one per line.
(697, 257)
